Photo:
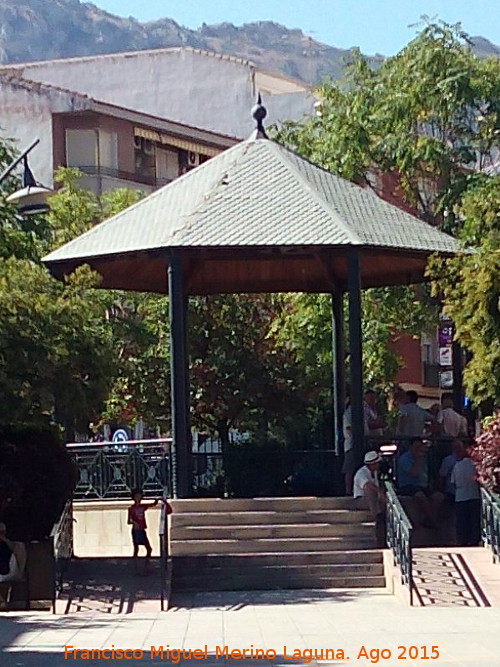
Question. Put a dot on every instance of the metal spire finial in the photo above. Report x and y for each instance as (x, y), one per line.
(259, 112)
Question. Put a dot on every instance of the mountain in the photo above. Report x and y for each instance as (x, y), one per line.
(46, 29)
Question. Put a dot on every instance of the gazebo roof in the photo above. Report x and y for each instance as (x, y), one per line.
(256, 218)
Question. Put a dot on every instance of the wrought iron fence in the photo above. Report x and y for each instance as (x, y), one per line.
(399, 533)
(490, 520)
(62, 544)
(247, 471)
(110, 470)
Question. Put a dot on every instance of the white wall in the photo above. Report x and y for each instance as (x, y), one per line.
(201, 90)
(26, 115)
(101, 529)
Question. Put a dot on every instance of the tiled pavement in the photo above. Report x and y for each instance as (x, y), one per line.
(348, 620)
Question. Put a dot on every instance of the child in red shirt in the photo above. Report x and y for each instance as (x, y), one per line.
(137, 519)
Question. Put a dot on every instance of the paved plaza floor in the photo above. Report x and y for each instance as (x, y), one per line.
(298, 620)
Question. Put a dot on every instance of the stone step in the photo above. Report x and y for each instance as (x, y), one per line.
(244, 560)
(270, 516)
(244, 582)
(259, 545)
(326, 569)
(268, 531)
(305, 503)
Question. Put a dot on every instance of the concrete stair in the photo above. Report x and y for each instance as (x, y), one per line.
(265, 544)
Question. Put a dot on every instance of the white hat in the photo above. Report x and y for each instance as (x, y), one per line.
(371, 457)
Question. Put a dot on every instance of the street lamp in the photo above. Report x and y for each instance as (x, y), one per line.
(31, 199)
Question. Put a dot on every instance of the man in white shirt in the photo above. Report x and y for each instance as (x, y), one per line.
(467, 500)
(366, 490)
(451, 422)
(368, 494)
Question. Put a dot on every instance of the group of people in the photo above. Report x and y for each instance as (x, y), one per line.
(457, 475)
(458, 479)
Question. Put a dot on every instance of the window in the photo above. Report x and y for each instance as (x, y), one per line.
(108, 149)
(81, 148)
(167, 164)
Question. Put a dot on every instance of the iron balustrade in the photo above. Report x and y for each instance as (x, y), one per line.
(246, 471)
(399, 534)
(165, 564)
(143, 177)
(110, 470)
(490, 521)
(62, 545)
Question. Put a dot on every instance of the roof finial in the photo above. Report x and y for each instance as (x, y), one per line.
(259, 112)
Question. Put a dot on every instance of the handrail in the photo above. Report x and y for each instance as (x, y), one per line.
(490, 521)
(62, 544)
(399, 534)
(163, 535)
(107, 443)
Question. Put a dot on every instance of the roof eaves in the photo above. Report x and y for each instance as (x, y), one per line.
(129, 54)
(182, 129)
(39, 86)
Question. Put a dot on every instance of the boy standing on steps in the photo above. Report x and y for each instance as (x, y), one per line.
(137, 519)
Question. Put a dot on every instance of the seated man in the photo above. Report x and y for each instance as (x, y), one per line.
(413, 479)
(368, 495)
(367, 492)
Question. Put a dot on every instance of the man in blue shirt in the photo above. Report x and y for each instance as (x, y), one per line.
(413, 479)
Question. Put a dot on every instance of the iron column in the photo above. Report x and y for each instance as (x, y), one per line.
(356, 355)
(179, 381)
(338, 366)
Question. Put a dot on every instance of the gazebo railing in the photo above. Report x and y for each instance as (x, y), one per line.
(62, 544)
(165, 562)
(490, 521)
(110, 470)
(399, 533)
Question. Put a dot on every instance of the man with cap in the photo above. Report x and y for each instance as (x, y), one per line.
(368, 494)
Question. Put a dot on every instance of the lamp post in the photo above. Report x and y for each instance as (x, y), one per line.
(31, 199)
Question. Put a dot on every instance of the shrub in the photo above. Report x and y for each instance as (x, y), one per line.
(486, 455)
(37, 477)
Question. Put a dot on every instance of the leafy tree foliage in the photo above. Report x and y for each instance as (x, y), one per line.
(57, 346)
(469, 285)
(430, 117)
(424, 115)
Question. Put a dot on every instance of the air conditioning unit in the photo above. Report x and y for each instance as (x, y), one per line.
(148, 147)
(138, 143)
(193, 159)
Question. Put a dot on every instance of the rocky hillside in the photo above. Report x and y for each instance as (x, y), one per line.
(46, 29)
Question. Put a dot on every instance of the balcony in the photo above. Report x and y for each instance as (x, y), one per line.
(99, 179)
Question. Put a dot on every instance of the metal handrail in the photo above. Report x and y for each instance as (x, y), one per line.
(399, 534)
(163, 538)
(62, 544)
(490, 521)
(111, 443)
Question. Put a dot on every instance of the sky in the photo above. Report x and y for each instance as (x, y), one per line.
(376, 26)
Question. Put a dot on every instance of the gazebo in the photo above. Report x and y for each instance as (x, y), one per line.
(257, 218)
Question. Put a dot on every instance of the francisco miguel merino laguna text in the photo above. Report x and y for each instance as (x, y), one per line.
(175, 655)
